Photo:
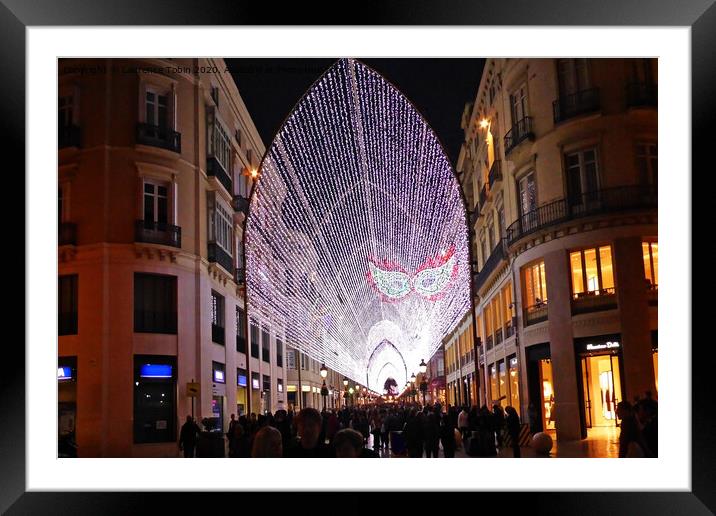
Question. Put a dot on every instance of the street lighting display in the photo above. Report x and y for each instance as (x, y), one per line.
(357, 191)
(324, 371)
(423, 366)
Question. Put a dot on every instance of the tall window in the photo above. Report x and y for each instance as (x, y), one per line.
(500, 232)
(582, 176)
(651, 263)
(254, 340)
(221, 224)
(67, 301)
(156, 108)
(240, 331)
(156, 204)
(291, 358)
(592, 271)
(155, 303)
(528, 195)
(489, 233)
(279, 385)
(488, 326)
(217, 318)
(518, 104)
(514, 383)
(535, 285)
(267, 383)
(65, 107)
(265, 345)
(219, 144)
(573, 75)
(279, 353)
(646, 158)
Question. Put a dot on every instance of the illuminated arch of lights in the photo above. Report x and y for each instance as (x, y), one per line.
(356, 231)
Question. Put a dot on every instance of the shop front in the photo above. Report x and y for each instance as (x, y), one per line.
(600, 372)
(66, 406)
(154, 399)
(540, 388)
(241, 387)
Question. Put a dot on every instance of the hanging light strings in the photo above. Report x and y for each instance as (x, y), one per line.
(356, 230)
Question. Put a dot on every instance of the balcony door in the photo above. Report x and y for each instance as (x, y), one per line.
(573, 76)
(156, 109)
(156, 205)
(528, 201)
(518, 104)
(582, 179)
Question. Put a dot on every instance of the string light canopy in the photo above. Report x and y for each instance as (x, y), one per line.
(356, 233)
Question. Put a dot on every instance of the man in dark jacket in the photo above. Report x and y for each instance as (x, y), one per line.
(431, 432)
(188, 437)
(414, 434)
(513, 428)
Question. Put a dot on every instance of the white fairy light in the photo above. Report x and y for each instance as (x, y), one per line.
(356, 234)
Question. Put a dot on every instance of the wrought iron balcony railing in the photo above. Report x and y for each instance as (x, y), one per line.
(217, 334)
(214, 168)
(152, 232)
(521, 131)
(594, 301)
(217, 255)
(495, 172)
(611, 200)
(496, 257)
(641, 94)
(157, 136)
(575, 104)
(536, 313)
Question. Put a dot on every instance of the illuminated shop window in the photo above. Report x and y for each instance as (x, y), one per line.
(651, 264)
(592, 272)
(514, 383)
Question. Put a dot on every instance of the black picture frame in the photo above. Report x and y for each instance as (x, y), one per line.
(700, 15)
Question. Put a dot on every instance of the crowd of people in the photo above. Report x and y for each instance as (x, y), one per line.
(405, 429)
(408, 430)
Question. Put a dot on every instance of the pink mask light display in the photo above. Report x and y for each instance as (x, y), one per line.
(356, 232)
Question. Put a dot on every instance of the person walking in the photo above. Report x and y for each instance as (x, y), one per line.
(463, 422)
(631, 444)
(431, 433)
(188, 437)
(267, 443)
(513, 429)
(447, 436)
(413, 432)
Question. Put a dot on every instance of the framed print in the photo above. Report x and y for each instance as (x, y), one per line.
(317, 243)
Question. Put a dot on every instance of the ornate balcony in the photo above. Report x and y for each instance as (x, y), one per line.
(594, 301)
(520, 132)
(215, 169)
(151, 232)
(496, 257)
(495, 172)
(536, 313)
(217, 255)
(612, 200)
(575, 104)
(157, 136)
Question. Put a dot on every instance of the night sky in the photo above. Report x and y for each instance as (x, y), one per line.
(439, 88)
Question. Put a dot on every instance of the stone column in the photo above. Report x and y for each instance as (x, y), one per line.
(634, 318)
(561, 343)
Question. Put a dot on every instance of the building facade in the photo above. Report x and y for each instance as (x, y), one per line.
(559, 168)
(156, 159)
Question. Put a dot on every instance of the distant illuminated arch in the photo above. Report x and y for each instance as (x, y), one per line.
(356, 232)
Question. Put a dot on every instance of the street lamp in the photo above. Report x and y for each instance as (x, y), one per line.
(324, 393)
(423, 366)
(324, 371)
(345, 382)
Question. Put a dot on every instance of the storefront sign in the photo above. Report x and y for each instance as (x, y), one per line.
(64, 373)
(255, 383)
(192, 389)
(155, 371)
(603, 345)
(241, 380)
(218, 376)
